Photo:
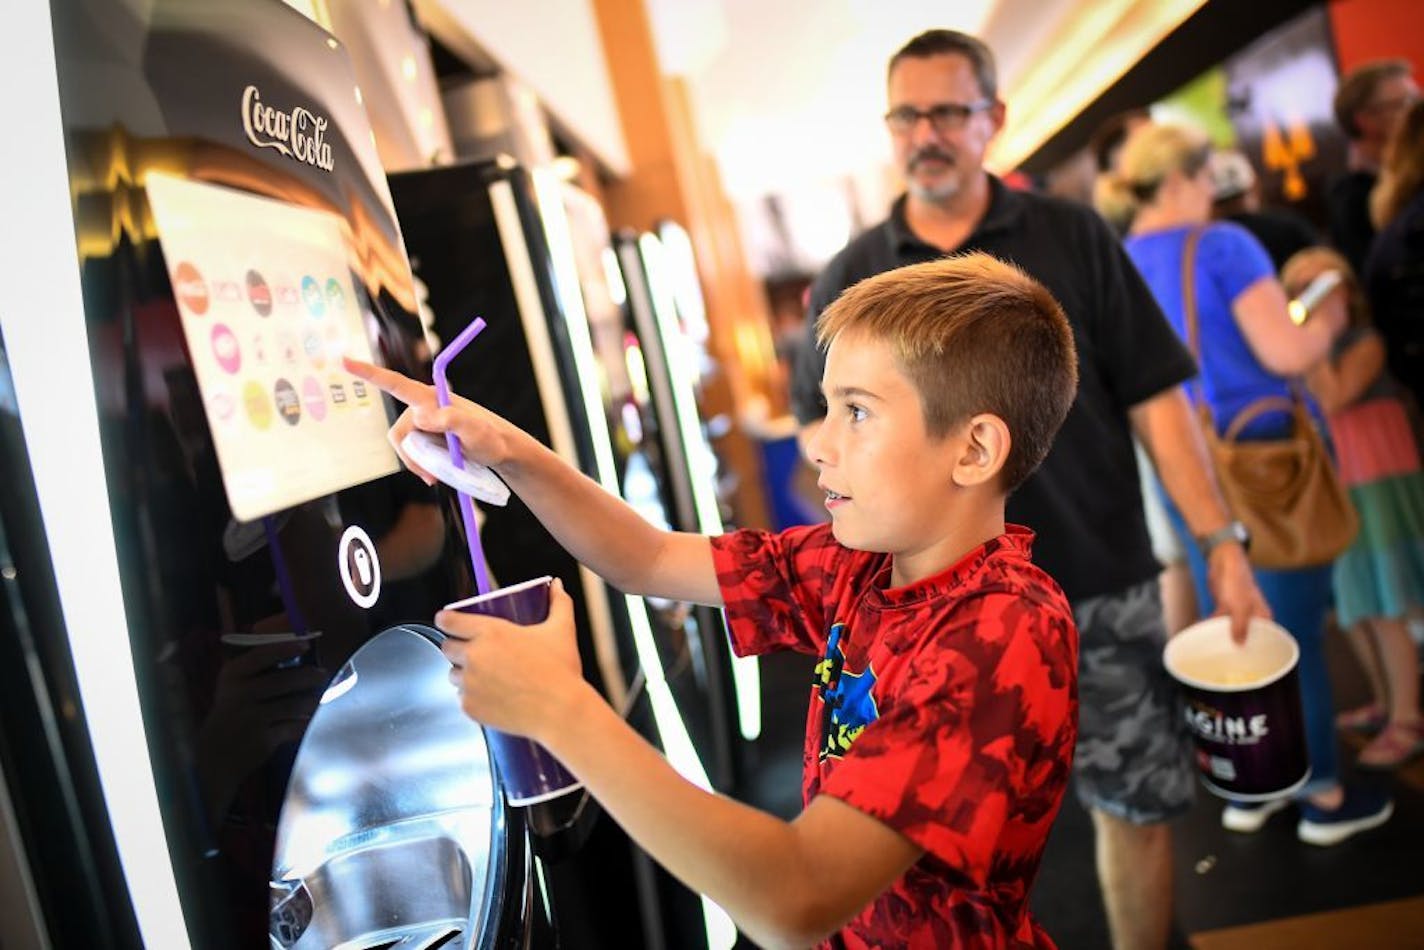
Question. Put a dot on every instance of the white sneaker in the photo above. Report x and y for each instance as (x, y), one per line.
(1362, 809)
(1248, 817)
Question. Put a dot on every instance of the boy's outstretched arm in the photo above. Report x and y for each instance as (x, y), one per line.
(597, 528)
(785, 884)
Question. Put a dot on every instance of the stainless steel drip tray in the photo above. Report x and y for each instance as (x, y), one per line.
(391, 835)
(406, 894)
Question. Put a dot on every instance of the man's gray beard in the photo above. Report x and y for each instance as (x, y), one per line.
(937, 195)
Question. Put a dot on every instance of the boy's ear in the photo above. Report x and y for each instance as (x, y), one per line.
(986, 444)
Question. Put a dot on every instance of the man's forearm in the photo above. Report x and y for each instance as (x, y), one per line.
(1172, 436)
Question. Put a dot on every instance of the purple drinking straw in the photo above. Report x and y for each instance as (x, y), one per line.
(284, 579)
(467, 507)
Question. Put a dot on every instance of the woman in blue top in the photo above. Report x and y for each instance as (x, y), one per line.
(1250, 349)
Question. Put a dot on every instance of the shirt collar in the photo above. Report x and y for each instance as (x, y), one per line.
(1005, 207)
(1016, 543)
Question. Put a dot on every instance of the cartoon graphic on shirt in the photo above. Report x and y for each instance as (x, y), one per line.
(848, 703)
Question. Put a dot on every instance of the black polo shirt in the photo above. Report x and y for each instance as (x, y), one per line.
(1084, 501)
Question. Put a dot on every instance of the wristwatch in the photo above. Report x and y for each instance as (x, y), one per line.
(1231, 531)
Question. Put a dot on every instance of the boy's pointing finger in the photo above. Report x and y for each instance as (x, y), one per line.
(401, 387)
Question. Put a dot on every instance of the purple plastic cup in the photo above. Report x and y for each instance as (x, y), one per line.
(1242, 704)
(528, 773)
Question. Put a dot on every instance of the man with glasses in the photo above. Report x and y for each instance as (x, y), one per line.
(1132, 761)
(1368, 102)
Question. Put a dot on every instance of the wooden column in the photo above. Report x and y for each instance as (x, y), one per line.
(674, 177)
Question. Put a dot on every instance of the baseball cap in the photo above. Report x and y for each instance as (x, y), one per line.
(1231, 174)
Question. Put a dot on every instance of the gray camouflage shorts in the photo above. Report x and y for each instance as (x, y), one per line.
(1133, 758)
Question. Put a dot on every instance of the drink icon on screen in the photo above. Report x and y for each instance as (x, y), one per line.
(256, 405)
(226, 290)
(313, 398)
(360, 391)
(337, 391)
(190, 288)
(221, 405)
(289, 406)
(225, 348)
(259, 294)
(287, 295)
(311, 345)
(335, 296)
(312, 296)
(287, 348)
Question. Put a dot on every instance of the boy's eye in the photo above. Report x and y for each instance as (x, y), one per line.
(857, 413)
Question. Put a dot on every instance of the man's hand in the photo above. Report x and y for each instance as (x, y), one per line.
(1173, 438)
(1234, 589)
(512, 677)
(484, 437)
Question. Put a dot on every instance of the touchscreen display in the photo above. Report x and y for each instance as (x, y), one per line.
(268, 307)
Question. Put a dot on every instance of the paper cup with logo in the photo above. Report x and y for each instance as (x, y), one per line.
(527, 771)
(1242, 704)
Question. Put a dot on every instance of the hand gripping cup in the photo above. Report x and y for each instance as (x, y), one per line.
(1242, 705)
(528, 773)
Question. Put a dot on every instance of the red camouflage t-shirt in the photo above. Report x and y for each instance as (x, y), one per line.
(946, 709)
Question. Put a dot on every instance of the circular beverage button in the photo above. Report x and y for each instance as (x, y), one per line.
(359, 567)
(190, 288)
(225, 348)
(289, 405)
(312, 296)
(314, 398)
(258, 293)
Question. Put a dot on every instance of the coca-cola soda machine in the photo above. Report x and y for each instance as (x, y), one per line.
(223, 722)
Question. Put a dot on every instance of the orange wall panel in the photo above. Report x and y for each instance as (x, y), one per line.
(1378, 29)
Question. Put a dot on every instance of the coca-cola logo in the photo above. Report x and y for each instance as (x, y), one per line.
(298, 133)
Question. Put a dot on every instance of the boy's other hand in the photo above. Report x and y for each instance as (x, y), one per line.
(515, 678)
(484, 437)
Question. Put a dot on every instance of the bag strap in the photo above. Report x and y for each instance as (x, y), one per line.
(1294, 403)
(1189, 292)
(1193, 328)
(1261, 406)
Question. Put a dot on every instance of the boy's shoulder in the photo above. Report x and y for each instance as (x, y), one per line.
(1009, 571)
(994, 592)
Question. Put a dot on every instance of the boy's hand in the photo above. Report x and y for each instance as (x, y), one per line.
(512, 677)
(484, 437)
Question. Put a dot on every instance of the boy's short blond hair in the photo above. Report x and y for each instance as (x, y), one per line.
(974, 335)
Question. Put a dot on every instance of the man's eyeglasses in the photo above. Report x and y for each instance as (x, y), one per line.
(943, 116)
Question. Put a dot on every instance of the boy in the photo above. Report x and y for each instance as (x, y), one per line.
(943, 716)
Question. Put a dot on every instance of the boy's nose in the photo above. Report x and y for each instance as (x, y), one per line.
(813, 443)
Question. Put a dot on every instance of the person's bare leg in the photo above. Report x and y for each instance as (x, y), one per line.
(1400, 660)
(1179, 597)
(1135, 874)
(1362, 644)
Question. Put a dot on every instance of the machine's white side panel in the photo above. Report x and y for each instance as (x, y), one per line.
(42, 319)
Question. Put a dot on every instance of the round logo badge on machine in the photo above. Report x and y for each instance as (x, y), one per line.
(360, 570)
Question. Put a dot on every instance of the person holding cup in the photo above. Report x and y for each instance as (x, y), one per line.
(944, 710)
(1218, 288)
